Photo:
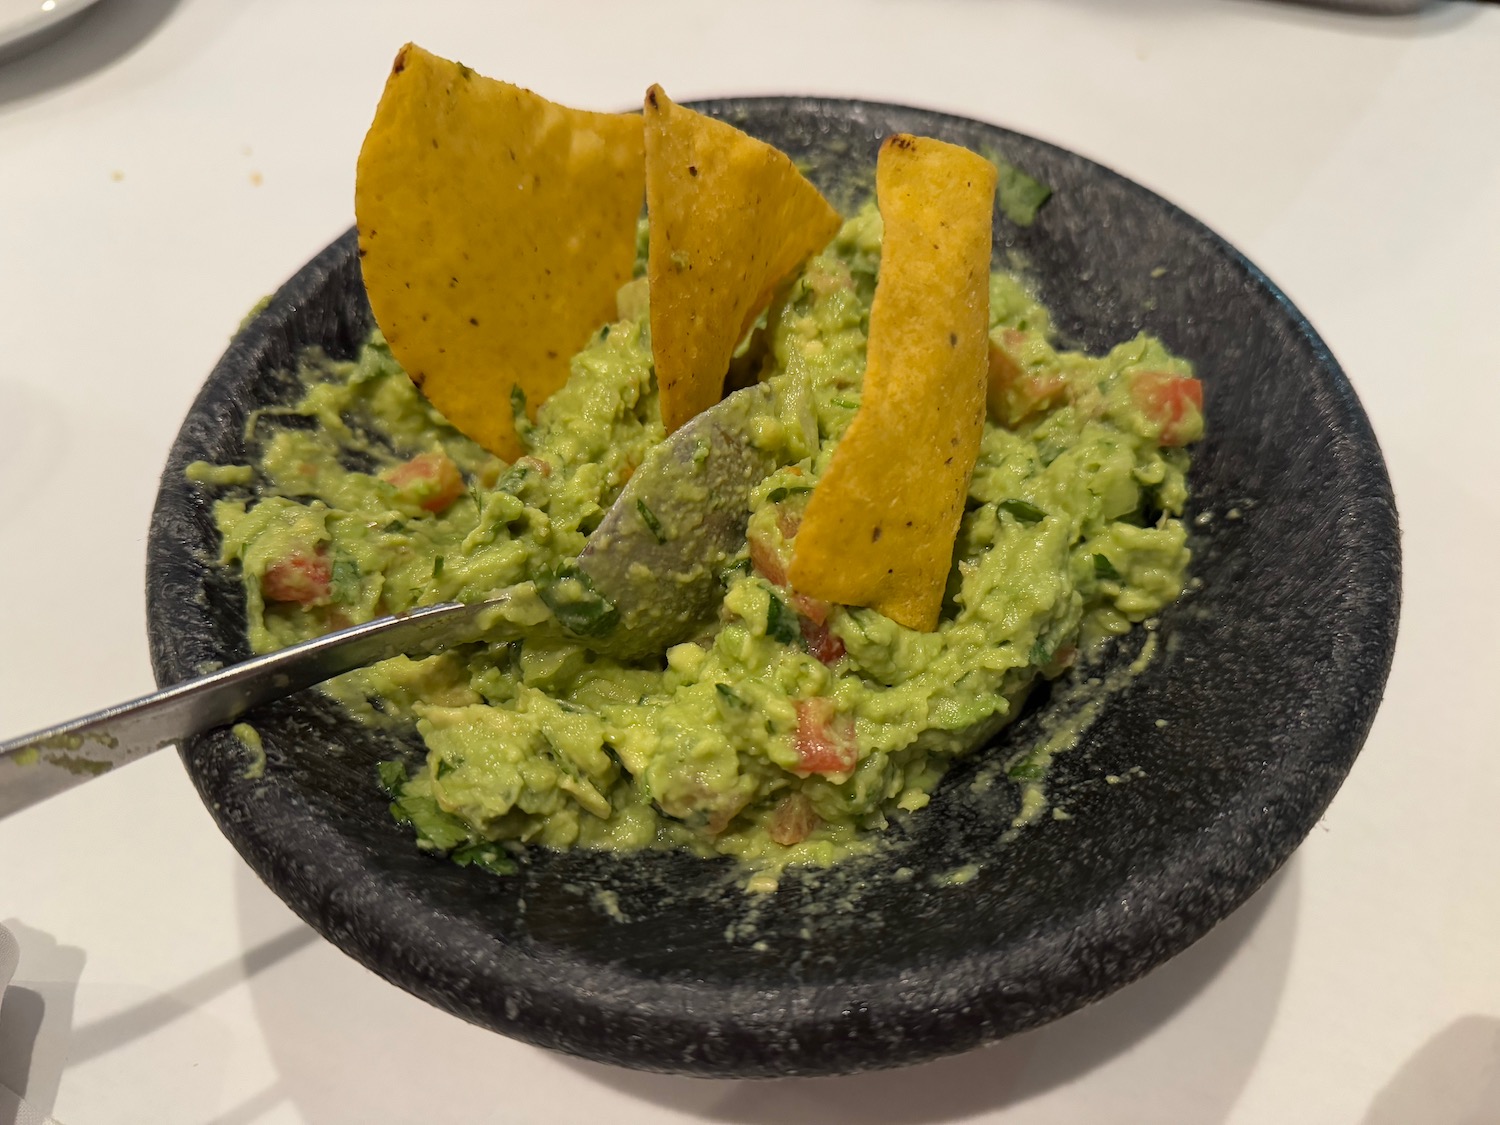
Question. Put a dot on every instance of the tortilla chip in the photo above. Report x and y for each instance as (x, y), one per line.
(731, 218)
(494, 229)
(880, 526)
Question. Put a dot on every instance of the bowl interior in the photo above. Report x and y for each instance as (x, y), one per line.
(1227, 747)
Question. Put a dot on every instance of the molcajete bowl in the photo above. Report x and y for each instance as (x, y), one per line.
(1234, 739)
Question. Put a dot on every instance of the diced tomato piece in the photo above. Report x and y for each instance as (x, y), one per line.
(787, 522)
(765, 559)
(822, 642)
(1172, 402)
(536, 465)
(825, 742)
(429, 480)
(303, 577)
(1014, 393)
(815, 610)
(792, 820)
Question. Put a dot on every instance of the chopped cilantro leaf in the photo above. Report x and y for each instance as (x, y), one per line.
(1104, 569)
(487, 856)
(436, 829)
(1027, 769)
(392, 776)
(781, 622)
(729, 696)
(1026, 513)
(345, 584)
(648, 517)
(578, 607)
(730, 569)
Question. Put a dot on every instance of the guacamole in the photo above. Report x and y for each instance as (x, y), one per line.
(790, 730)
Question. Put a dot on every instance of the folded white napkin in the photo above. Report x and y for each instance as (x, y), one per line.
(12, 1107)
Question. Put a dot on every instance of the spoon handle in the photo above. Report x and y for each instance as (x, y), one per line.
(38, 765)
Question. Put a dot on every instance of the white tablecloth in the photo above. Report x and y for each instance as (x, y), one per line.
(164, 164)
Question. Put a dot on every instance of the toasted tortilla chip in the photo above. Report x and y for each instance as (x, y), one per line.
(494, 229)
(880, 526)
(730, 219)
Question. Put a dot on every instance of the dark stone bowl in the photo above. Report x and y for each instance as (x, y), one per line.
(1268, 680)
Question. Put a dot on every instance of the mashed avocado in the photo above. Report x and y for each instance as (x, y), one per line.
(791, 729)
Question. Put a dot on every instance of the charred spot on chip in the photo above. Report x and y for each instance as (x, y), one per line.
(400, 63)
(692, 169)
(474, 321)
(953, 339)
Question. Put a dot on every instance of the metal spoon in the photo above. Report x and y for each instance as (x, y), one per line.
(649, 575)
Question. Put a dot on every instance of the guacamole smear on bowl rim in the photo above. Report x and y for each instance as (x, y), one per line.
(790, 730)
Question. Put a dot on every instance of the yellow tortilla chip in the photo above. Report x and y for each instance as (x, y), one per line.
(494, 229)
(880, 526)
(731, 218)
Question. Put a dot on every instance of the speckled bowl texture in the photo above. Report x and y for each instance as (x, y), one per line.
(1267, 681)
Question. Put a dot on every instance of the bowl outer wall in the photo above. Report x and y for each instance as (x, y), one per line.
(1268, 680)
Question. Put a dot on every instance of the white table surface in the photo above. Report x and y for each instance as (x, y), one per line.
(164, 164)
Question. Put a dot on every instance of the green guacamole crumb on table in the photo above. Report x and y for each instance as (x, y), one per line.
(791, 730)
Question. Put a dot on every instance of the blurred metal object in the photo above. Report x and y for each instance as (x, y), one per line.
(1371, 7)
